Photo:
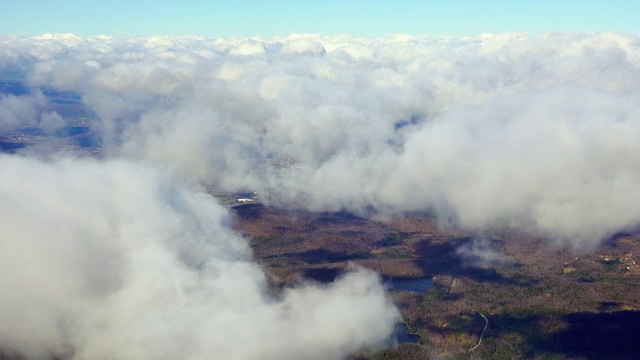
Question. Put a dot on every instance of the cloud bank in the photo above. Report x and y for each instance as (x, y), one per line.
(116, 260)
(533, 132)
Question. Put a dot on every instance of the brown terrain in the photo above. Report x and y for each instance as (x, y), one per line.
(540, 301)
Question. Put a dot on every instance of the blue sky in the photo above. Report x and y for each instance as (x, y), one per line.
(355, 17)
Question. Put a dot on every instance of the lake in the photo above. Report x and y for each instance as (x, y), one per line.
(401, 332)
(410, 284)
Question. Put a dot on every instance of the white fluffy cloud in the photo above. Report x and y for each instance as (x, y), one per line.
(506, 129)
(117, 260)
(532, 132)
(18, 111)
(535, 132)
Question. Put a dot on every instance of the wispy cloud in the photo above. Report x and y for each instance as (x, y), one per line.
(479, 253)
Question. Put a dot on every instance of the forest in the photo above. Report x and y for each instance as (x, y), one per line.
(540, 301)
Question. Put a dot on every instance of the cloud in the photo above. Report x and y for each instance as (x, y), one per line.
(50, 122)
(303, 47)
(511, 130)
(115, 259)
(556, 161)
(478, 253)
(20, 111)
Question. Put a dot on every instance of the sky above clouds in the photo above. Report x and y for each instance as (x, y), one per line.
(285, 17)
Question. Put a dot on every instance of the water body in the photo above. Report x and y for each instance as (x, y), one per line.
(419, 285)
(13, 87)
(401, 332)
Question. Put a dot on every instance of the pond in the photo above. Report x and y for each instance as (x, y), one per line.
(401, 333)
(419, 285)
(410, 284)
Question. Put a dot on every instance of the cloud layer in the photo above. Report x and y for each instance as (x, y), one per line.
(538, 133)
(116, 260)
(533, 132)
